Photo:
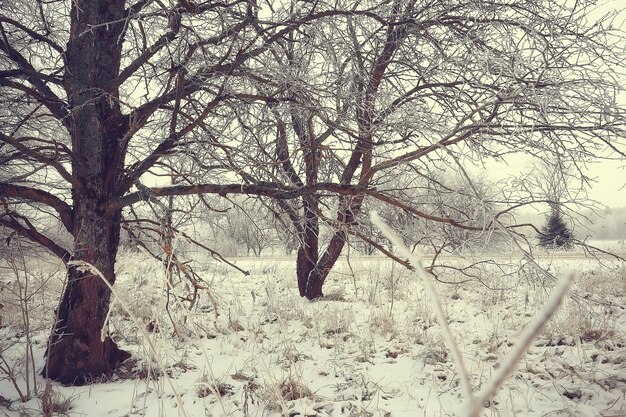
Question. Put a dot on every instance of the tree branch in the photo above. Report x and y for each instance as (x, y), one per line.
(48, 98)
(27, 230)
(34, 35)
(264, 189)
(16, 143)
(39, 196)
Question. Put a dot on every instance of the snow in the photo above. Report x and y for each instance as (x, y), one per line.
(255, 348)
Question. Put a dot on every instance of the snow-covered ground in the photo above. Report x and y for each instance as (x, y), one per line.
(252, 347)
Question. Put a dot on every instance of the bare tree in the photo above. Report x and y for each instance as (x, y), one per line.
(321, 125)
(249, 224)
(97, 94)
(428, 87)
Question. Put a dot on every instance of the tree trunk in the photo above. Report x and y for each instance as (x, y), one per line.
(308, 252)
(317, 273)
(79, 350)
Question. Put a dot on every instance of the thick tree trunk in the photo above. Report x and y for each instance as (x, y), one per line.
(80, 350)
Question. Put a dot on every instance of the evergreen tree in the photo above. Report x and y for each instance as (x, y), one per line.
(556, 234)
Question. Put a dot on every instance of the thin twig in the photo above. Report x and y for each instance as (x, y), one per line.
(441, 316)
(475, 405)
(521, 346)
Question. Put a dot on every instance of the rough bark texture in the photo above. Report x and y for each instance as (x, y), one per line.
(78, 350)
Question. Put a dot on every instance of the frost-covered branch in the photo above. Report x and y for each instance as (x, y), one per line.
(476, 404)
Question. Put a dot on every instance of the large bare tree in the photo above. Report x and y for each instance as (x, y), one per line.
(96, 93)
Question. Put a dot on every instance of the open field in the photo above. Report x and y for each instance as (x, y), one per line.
(251, 346)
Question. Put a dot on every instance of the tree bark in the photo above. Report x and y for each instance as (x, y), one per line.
(318, 272)
(79, 349)
(308, 251)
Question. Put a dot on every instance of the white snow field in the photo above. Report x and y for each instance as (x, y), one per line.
(251, 346)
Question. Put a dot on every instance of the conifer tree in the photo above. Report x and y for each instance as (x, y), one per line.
(556, 234)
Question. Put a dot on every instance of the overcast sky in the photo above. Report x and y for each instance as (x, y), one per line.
(611, 176)
(610, 188)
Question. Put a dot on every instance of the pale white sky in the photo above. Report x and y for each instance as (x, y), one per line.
(610, 188)
(610, 176)
(610, 185)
